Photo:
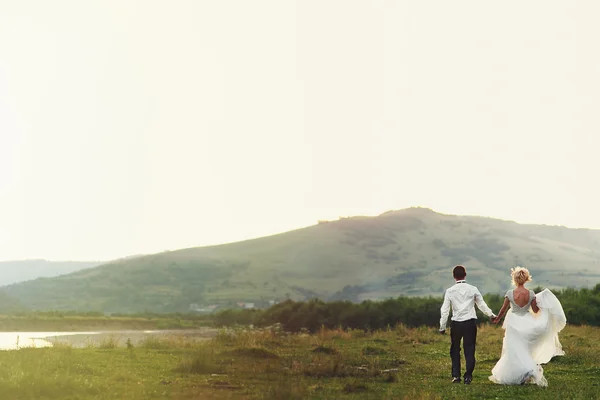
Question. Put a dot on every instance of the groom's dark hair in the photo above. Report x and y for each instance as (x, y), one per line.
(459, 272)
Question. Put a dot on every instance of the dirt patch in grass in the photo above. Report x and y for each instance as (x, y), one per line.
(355, 387)
(324, 350)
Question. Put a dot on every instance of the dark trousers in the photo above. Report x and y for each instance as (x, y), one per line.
(467, 332)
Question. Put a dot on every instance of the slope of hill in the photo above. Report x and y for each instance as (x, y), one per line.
(405, 252)
(24, 270)
(10, 305)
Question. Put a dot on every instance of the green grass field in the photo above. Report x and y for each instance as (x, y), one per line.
(398, 363)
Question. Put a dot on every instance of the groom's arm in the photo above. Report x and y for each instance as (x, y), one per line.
(481, 304)
(445, 310)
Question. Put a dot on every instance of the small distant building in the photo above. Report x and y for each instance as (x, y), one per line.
(202, 309)
(248, 305)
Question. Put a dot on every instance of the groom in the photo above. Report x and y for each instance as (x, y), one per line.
(461, 298)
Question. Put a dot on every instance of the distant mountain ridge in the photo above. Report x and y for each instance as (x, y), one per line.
(402, 252)
(24, 270)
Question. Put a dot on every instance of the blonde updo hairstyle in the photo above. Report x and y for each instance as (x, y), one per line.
(520, 276)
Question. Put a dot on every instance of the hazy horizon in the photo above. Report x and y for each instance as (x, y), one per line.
(292, 229)
(134, 127)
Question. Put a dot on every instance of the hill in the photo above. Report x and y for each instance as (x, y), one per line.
(405, 252)
(25, 270)
(10, 305)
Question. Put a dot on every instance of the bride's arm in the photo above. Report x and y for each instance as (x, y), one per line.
(534, 306)
(502, 311)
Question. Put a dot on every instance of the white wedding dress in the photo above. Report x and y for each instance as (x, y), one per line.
(530, 340)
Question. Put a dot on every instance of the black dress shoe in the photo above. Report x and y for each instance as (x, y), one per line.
(468, 381)
(455, 380)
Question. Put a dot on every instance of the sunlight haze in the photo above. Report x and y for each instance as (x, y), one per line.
(132, 127)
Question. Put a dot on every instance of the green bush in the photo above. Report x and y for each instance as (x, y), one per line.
(581, 307)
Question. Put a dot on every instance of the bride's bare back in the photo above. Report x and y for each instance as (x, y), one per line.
(521, 296)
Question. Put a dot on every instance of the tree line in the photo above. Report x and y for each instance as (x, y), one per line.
(581, 306)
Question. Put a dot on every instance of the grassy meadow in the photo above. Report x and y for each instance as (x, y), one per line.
(397, 363)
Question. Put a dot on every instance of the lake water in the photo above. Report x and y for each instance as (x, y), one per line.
(19, 340)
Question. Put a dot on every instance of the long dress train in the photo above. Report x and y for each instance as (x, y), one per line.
(530, 340)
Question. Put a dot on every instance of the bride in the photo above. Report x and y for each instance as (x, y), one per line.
(531, 333)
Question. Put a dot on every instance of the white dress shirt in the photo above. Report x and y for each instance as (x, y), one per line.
(462, 297)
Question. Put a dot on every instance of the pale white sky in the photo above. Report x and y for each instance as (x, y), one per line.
(133, 127)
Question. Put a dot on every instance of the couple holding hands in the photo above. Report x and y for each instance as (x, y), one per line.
(531, 326)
